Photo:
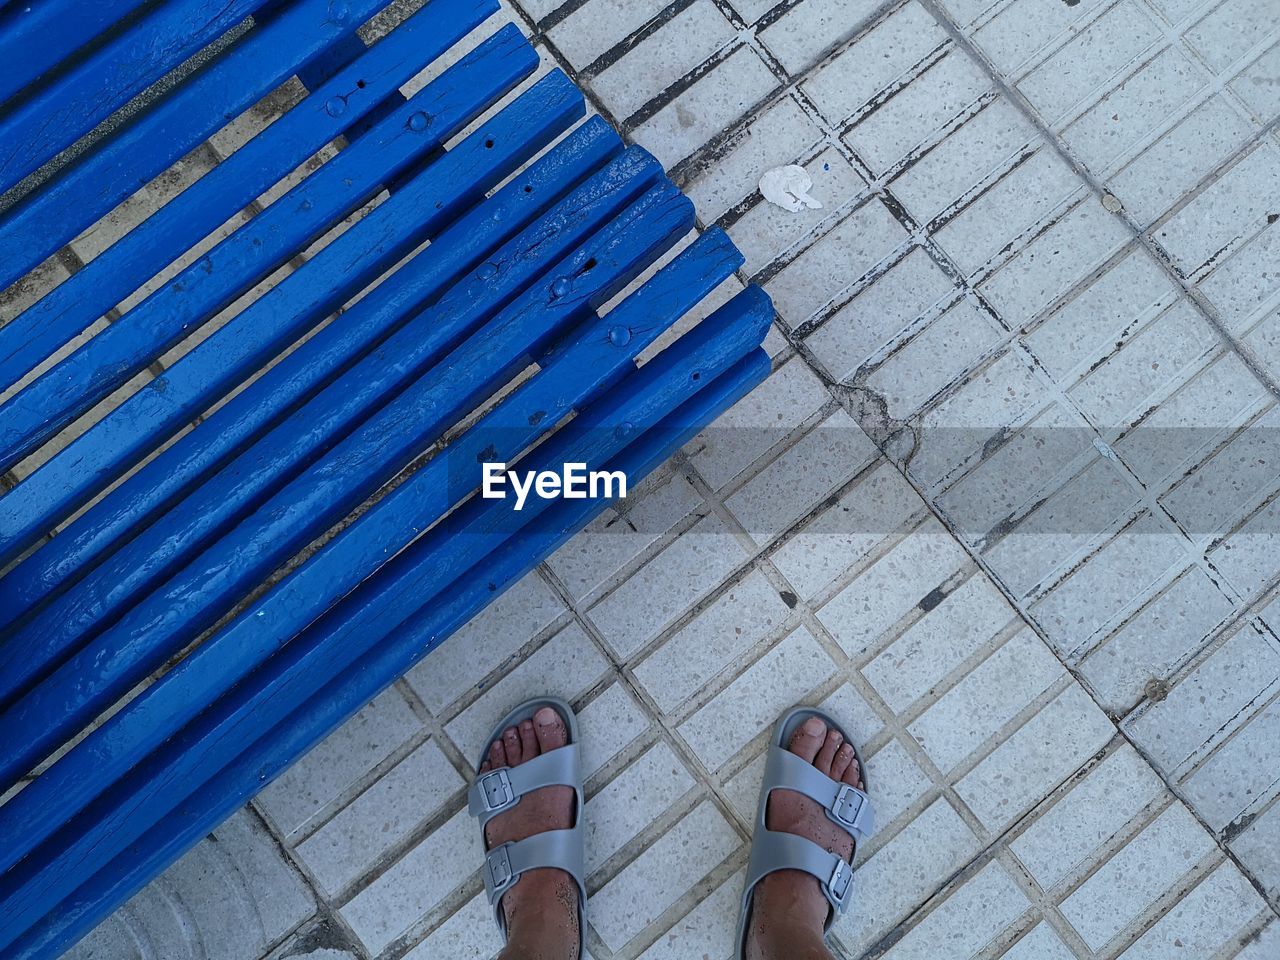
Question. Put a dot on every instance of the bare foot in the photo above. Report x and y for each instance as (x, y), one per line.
(788, 908)
(542, 908)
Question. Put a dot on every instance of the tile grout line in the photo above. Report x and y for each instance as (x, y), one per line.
(1275, 389)
(927, 243)
(996, 846)
(655, 716)
(1154, 250)
(325, 908)
(936, 254)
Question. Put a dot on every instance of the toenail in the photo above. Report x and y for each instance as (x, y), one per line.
(813, 726)
(846, 750)
(546, 717)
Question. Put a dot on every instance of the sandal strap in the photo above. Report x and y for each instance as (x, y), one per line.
(774, 850)
(504, 864)
(847, 807)
(501, 789)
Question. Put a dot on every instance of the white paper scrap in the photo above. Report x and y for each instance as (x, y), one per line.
(789, 188)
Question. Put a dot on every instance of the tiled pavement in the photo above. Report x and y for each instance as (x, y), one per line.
(1037, 582)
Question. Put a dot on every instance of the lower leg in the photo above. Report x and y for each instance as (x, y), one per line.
(542, 918)
(798, 951)
(786, 919)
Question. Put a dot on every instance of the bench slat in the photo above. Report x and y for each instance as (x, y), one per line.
(399, 648)
(196, 597)
(294, 379)
(266, 242)
(457, 180)
(267, 57)
(259, 471)
(40, 128)
(337, 55)
(36, 37)
(288, 517)
(641, 401)
(328, 575)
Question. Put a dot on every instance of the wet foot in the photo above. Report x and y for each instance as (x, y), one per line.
(788, 909)
(542, 908)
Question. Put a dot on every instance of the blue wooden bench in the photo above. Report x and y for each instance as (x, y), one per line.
(156, 666)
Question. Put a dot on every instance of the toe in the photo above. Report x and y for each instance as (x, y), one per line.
(485, 767)
(808, 739)
(497, 755)
(550, 729)
(827, 755)
(511, 743)
(528, 742)
(853, 775)
(841, 763)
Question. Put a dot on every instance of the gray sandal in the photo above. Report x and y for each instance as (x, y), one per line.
(497, 791)
(847, 807)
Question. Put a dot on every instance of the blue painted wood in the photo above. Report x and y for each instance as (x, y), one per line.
(385, 660)
(197, 293)
(35, 37)
(28, 654)
(336, 56)
(505, 281)
(172, 474)
(54, 215)
(329, 574)
(166, 131)
(643, 400)
(63, 111)
(434, 198)
(213, 583)
(138, 500)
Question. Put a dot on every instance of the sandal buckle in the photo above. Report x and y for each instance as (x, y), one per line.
(841, 882)
(496, 790)
(847, 806)
(500, 874)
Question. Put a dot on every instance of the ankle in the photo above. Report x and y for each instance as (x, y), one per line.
(542, 907)
(795, 898)
(779, 936)
(788, 913)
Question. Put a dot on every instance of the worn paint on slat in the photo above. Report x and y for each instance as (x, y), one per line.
(505, 281)
(346, 560)
(54, 215)
(437, 196)
(641, 401)
(389, 654)
(73, 104)
(334, 57)
(27, 654)
(35, 37)
(213, 282)
(215, 581)
(140, 498)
